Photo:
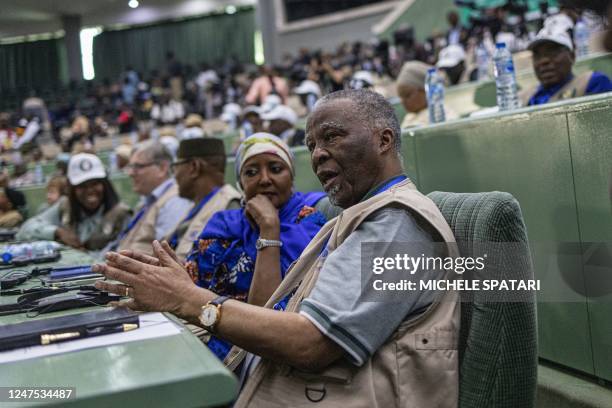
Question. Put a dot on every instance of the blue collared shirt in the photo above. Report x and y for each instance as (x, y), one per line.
(171, 213)
(599, 83)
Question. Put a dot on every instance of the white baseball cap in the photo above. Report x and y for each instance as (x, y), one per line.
(271, 102)
(361, 80)
(281, 112)
(251, 109)
(451, 56)
(83, 167)
(553, 33)
(230, 112)
(170, 143)
(308, 87)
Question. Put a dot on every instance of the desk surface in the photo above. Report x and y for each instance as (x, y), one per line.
(168, 371)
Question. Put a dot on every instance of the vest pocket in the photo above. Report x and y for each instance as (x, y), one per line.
(436, 340)
(336, 375)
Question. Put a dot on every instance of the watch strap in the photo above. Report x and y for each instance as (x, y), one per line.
(219, 301)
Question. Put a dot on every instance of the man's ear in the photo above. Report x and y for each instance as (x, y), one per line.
(386, 140)
(165, 166)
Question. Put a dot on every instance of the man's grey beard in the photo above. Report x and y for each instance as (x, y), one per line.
(332, 194)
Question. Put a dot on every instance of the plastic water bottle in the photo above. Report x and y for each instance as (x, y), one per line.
(505, 79)
(112, 159)
(114, 141)
(581, 39)
(247, 129)
(39, 177)
(482, 62)
(434, 88)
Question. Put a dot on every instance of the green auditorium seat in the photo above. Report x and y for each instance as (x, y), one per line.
(498, 341)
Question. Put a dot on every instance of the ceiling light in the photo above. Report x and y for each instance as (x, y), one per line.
(230, 9)
(133, 3)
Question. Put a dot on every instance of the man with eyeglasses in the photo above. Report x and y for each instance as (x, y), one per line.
(199, 171)
(162, 208)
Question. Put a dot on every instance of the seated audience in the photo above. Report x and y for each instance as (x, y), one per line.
(167, 111)
(57, 187)
(361, 80)
(553, 59)
(89, 217)
(22, 176)
(245, 253)
(309, 92)
(12, 206)
(411, 90)
(161, 208)
(322, 337)
(123, 152)
(282, 120)
(193, 127)
(251, 122)
(268, 83)
(199, 171)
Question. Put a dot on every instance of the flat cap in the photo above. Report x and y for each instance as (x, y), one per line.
(200, 147)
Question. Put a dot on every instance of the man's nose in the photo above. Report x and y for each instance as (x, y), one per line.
(542, 60)
(319, 156)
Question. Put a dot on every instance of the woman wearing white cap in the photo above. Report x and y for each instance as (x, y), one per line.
(91, 215)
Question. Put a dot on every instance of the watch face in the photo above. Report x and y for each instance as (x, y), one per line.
(208, 317)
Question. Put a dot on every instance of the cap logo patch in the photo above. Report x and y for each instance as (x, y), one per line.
(85, 165)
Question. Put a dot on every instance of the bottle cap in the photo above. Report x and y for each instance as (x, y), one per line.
(500, 45)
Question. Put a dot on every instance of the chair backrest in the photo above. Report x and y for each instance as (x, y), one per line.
(498, 340)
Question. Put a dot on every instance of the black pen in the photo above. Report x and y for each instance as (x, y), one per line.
(101, 330)
(87, 332)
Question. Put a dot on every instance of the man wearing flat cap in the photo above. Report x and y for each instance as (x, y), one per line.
(199, 171)
(553, 59)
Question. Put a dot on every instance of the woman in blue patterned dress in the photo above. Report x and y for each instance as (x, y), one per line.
(245, 253)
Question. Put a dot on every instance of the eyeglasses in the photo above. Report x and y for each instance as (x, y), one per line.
(178, 163)
(138, 166)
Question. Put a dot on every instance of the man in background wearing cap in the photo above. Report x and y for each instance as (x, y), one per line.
(199, 171)
(452, 62)
(162, 208)
(282, 124)
(553, 58)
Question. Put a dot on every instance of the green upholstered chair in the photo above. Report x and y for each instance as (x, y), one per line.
(498, 341)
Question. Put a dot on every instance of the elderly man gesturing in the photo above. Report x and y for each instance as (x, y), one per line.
(316, 339)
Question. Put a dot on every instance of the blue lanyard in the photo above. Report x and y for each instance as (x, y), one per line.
(192, 213)
(141, 213)
(387, 185)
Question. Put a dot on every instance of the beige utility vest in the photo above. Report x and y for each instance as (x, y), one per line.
(416, 367)
(218, 202)
(142, 235)
(573, 89)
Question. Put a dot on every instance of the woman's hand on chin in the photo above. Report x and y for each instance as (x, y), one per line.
(261, 210)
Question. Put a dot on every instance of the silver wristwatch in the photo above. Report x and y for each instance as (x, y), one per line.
(263, 243)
